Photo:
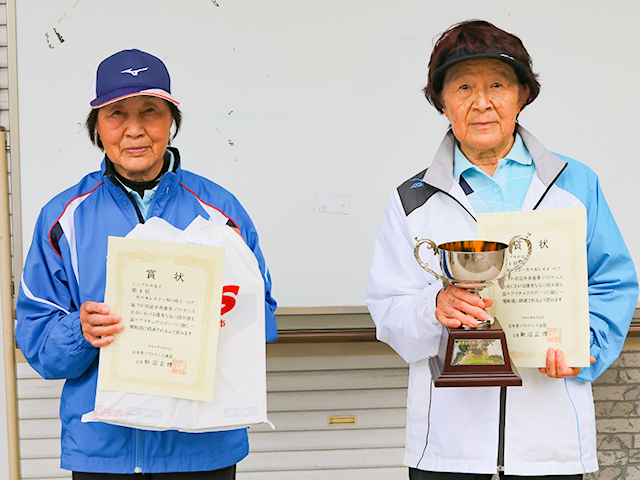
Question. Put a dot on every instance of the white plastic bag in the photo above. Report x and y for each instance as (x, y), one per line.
(240, 389)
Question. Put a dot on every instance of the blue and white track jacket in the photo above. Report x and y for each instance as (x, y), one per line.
(65, 267)
(550, 423)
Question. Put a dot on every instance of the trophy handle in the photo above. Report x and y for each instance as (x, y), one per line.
(525, 259)
(424, 265)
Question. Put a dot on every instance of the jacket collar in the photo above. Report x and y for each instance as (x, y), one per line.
(548, 165)
(108, 170)
(440, 172)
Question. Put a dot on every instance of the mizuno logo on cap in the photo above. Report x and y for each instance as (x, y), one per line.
(134, 72)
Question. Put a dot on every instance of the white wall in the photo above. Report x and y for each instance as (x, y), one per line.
(285, 99)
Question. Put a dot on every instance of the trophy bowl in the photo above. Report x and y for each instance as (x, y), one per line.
(472, 263)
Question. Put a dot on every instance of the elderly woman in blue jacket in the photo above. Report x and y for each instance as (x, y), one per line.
(480, 77)
(62, 321)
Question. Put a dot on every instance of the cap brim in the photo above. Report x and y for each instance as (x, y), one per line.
(121, 94)
(439, 73)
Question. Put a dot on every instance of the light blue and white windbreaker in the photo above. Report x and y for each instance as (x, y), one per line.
(550, 423)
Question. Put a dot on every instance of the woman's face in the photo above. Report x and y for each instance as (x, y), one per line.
(482, 99)
(135, 133)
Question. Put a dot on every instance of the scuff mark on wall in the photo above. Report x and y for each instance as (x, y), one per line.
(59, 36)
(53, 38)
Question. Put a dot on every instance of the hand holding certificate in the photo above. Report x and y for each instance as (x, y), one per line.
(169, 297)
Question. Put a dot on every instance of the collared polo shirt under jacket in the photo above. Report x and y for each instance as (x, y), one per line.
(506, 190)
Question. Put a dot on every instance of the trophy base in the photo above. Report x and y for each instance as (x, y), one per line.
(474, 358)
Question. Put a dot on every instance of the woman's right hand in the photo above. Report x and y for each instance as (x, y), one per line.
(98, 325)
(457, 306)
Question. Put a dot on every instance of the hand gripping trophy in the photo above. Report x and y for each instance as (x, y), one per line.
(474, 356)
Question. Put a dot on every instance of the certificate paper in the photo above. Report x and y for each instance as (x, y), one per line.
(169, 296)
(545, 303)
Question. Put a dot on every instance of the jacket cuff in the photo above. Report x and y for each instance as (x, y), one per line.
(426, 302)
(76, 331)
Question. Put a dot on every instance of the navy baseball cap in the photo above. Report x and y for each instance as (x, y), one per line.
(130, 73)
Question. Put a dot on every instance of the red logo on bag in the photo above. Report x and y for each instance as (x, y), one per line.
(228, 301)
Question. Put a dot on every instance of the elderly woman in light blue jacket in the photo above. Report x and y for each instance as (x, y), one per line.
(480, 77)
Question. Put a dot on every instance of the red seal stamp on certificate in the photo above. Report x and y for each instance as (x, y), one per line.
(179, 367)
(554, 334)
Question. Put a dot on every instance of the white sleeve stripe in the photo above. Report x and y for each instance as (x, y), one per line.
(31, 296)
(67, 223)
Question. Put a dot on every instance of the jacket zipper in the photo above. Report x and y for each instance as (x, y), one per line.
(502, 428)
(137, 440)
(131, 199)
(135, 205)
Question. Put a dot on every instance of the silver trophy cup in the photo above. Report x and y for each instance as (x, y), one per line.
(474, 264)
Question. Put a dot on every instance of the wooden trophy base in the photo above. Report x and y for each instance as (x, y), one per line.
(474, 358)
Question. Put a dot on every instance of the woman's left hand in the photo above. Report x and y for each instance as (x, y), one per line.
(98, 325)
(557, 367)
